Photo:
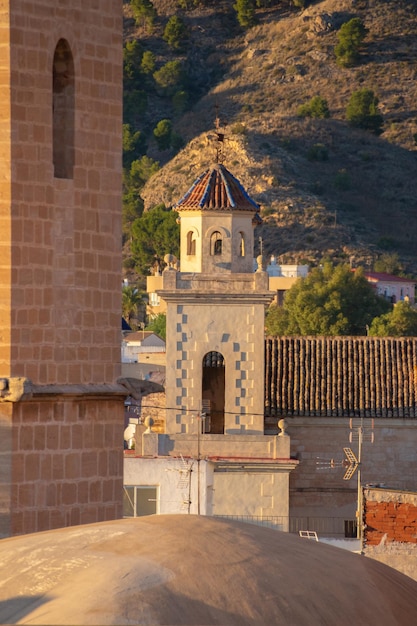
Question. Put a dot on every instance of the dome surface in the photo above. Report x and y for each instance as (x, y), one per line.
(181, 569)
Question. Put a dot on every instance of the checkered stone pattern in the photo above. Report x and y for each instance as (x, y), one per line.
(183, 380)
(243, 386)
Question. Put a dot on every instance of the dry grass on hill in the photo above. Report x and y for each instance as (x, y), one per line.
(361, 199)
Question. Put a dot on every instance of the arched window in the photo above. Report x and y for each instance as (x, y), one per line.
(191, 243)
(213, 393)
(241, 244)
(216, 244)
(63, 109)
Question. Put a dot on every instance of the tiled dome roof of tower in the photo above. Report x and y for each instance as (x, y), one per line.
(217, 189)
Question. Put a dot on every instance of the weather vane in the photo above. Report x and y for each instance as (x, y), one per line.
(220, 138)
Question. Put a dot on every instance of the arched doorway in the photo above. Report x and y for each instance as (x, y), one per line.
(213, 392)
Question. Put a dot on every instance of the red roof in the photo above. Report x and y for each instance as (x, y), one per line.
(382, 276)
(217, 189)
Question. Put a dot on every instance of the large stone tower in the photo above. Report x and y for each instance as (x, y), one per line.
(61, 411)
(215, 311)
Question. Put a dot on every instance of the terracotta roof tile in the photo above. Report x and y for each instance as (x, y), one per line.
(217, 189)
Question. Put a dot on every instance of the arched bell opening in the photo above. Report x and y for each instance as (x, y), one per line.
(213, 393)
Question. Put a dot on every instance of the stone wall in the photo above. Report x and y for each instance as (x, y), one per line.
(390, 534)
(66, 465)
(60, 259)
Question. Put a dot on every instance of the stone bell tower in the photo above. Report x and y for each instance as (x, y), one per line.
(214, 458)
(215, 311)
(61, 409)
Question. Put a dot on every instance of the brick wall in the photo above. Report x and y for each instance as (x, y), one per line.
(390, 516)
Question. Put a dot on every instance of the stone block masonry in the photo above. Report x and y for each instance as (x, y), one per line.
(60, 258)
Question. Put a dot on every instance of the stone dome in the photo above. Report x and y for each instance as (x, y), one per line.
(180, 569)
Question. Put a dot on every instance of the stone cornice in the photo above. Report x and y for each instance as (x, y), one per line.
(20, 389)
(210, 299)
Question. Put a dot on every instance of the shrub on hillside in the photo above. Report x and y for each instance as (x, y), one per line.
(163, 133)
(350, 39)
(317, 108)
(169, 77)
(245, 10)
(362, 111)
(175, 32)
(144, 13)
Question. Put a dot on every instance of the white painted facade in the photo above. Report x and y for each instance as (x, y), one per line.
(138, 343)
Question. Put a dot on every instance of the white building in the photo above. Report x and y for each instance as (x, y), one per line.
(139, 343)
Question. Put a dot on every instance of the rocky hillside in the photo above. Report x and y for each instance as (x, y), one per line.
(357, 201)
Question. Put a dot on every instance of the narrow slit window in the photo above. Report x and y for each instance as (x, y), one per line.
(63, 111)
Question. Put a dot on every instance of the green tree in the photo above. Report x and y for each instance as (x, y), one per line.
(180, 101)
(189, 4)
(329, 301)
(133, 180)
(141, 170)
(133, 305)
(135, 103)
(245, 10)
(148, 62)
(170, 77)
(175, 32)
(132, 59)
(158, 325)
(134, 145)
(132, 208)
(301, 4)
(350, 39)
(388, 263)
(144, 13)
(362, 111)
(163, 134)
(400, 322)
(154, 235)
(317, 107)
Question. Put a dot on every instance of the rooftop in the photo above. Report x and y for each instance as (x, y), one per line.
(217, 189)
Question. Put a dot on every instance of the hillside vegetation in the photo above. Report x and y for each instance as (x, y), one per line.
(327, 189)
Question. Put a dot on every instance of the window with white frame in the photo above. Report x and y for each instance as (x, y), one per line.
(139, 500)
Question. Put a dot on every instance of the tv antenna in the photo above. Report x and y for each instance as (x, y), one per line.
(184, 482)
(352, 463)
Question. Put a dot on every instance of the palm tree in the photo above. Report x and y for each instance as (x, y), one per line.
(133, 304)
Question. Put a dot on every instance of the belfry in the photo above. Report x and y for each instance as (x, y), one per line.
(215, 311)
